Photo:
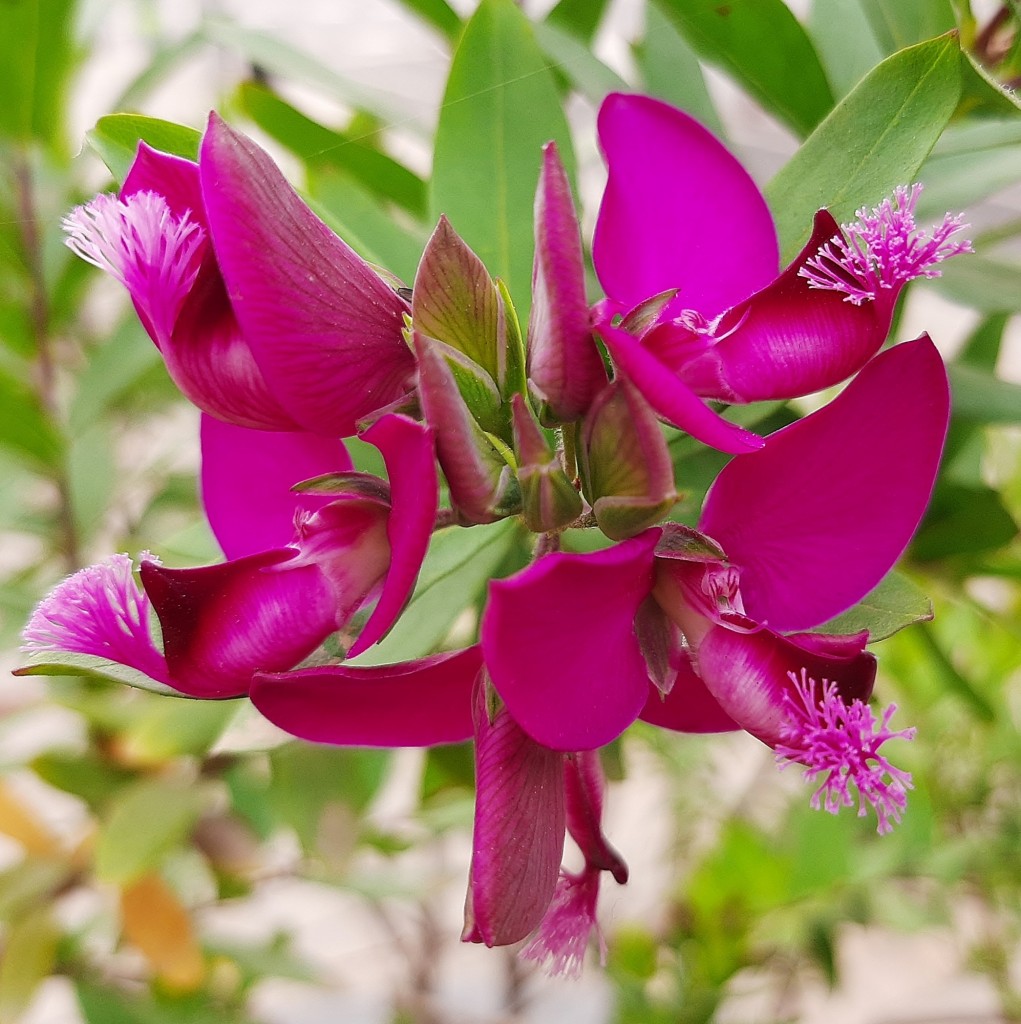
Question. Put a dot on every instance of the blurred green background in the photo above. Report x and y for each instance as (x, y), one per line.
(167, 861)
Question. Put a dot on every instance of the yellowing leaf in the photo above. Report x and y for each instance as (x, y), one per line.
(18, 822)
(154, 920)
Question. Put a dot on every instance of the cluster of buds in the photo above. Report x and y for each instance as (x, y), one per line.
(289, 342)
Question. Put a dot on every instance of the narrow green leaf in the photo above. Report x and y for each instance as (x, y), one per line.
(500, 106)
(983, 93)
(146, 821)
(895, 603)
(845, 43)
(964, 520)
(116, 136)
(316, 145)
(874, 140)
(157, 69)
(437, 13)
(958, 180)
(453, 577)
(906, 22)
(671, 71)
(982, 397)
(64, 663)
(36, 55)
(25, 430)
(580, 17)
(589, 75)
(952, 679)
(986, 283)
(763, 46)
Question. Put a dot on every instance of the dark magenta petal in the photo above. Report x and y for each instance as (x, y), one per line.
(414, 704)
(564, 364)
(678, 211)
(688, 707)
(787, 339)
(172, 177)
(749, 674)
(247, 477)
(835, 497)
(518, 840)
(408, 451)
(671, 398)
(584, 783)
(223, 623)
(324, 328)
(559, 641)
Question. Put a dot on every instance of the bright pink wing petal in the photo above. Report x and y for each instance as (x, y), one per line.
(678, 211)
(749, 674)
(518, 839)
(408, 451)
(560, 645)
(688, 707)
(247, 477)
(671, 398)
(819, 516)
(324, 328)
(788, 339)
(414, 704)
(172, 177)
(222, 623)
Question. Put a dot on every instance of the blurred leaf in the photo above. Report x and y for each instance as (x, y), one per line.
(65, 663)
(986, 283)
(844, 41)
(168, 728)
(116, 136)
(157, 924)
(907, 22)
(22, 825)
(982, 397)
(982, 93)
(306, 779)
(91, 468)
(28, 885)
(274, 959)
(437, 13)
(84, 775)
(30, 953)
(146, 821)
(273, 55)
(160, 65)
(500, 106)
(949, 676)
(894, 603)
(963, 520)
(360, 219)
(875, 139)
(670, 70)
(763, 46)
(456, 569)
(100, 1005)
(36, 56)
(24, 428)
(580, 17)
(315, 144)
(590, 76)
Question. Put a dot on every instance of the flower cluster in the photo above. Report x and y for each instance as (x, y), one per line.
(289, 342)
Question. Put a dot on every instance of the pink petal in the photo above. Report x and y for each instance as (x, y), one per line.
(407, 449)
(518, 839)
(687, 707)
(749, 674)
(172, 177)
(672, 399)
(323, 326)
(559, 641)
(836, 496)
(678, 211)
(788, 339)
(563, 361)
(415, 704)
(222, 623)
(247, 477)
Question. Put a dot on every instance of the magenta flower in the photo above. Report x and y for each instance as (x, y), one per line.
(262, 610)
(264, 317)
(685, 241)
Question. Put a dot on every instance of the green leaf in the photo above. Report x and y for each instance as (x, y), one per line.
(895, 603)
(146, 821)
(318, 145)
(30, 954)
(25, 430)
(844, 41)
(168, 728)
(906, 22)
(456, 569)
(116, 136)
(437, 13)
(28, 885)
(980, 396)
(763, 46)
(671, 71)
(986, 283)
(500, 106)
(86, 775)
(874, 140)
(65, 663)
(577, 62)
(963, 520)
(164, 62)
(983, 93)
(580, 17)
(36, 56)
